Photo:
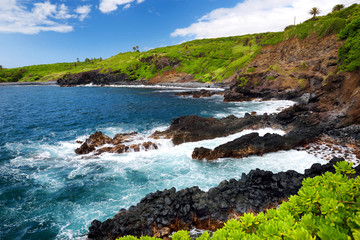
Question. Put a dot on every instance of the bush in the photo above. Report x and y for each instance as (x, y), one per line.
(349, 53)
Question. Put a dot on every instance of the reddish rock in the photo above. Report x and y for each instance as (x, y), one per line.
(85, 149)
(98, 139)
(122, 137)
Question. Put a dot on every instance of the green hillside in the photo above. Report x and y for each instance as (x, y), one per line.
(208, 59)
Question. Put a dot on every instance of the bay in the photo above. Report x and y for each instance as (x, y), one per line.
(47, 192)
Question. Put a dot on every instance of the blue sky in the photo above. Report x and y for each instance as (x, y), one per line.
(49, 31)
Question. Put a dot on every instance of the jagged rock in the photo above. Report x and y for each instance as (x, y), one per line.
(160, 213)
(149, 145)
(85, 148)
(194, 128)
(253, 144)
(119, 141)
(123, 137)
(198, 94)
(98, 139)
(97, 78)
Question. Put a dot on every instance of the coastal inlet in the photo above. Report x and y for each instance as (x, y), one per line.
(50, 192)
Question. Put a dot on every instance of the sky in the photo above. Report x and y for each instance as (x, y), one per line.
(48, 31)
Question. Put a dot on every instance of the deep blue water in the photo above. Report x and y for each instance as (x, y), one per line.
(47, 192)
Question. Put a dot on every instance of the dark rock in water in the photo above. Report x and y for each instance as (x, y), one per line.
(98, 139)
(160, 213)
(123, 137)
(198, 94)
(96, 78)
(95, 140)
(240, 94)
(193, 128)
(121, 144)
(253, 144)
(85, 149)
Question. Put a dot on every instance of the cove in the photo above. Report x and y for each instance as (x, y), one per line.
(48, 192)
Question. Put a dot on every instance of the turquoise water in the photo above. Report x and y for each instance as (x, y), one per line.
(47, 192)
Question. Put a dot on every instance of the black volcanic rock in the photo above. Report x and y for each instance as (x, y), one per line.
(253, 144)
(96, 78)
(160, 213)
(194, 128)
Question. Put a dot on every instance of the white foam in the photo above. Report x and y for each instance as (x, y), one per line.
(166, 87)
(260, 107)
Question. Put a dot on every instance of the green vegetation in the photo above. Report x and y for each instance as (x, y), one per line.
(326, 207)
(208, 59)
(243, 81)
(349, 53)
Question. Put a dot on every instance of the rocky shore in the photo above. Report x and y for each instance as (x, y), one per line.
(163, 212)
(328, 107)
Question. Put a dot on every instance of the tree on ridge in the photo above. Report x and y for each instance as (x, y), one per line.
(338, 7)
(314, 11)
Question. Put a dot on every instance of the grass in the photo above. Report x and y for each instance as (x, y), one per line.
(208, 59)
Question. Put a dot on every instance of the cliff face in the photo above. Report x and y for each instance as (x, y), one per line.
(292, 64)
(298, 67)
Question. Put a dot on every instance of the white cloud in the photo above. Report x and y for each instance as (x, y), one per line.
(42, 16)
(83, 11)
(254, 16)
(127, 6)
(107, 6)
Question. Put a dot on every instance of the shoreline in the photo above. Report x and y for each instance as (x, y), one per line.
(183, 85)
(28, 83)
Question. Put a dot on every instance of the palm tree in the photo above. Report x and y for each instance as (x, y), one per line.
(314, 11)
(338, 7)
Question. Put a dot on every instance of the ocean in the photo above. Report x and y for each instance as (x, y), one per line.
(49, 192)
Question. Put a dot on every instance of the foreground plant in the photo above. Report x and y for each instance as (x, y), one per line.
(326, 207)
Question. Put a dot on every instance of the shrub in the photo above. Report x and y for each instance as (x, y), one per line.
(349, 53)
(243, 81)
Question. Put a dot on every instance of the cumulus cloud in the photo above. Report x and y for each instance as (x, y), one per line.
(83, 11)
(107, 6)
(41, 16)
(254, 16)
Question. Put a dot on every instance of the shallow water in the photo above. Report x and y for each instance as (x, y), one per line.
(47, 192)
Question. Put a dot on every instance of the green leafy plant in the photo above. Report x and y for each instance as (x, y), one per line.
(181, 235)
(243, 81)
(349, 53)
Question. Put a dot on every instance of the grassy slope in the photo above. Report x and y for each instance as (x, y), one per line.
(207, 59)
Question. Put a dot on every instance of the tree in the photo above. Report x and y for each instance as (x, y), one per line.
(338, 7)
(314, 11)
(136, 49)
(1, 67)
